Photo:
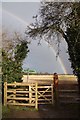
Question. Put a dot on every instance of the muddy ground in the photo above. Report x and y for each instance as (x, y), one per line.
(46, 111)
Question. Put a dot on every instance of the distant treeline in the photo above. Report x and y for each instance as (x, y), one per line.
(46, 73)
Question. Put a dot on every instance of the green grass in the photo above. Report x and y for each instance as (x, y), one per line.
(5, 111)
(24, 108)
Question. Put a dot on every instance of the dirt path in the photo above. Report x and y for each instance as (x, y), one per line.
(47, 111)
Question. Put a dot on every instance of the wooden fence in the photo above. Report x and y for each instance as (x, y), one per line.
(34, 90)
(27, 94)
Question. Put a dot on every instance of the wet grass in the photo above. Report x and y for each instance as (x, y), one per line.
(17, 108)
(7, 109)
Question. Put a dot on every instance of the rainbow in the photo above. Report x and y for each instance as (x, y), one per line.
(52, 48)
(16, 17)
(60, 61)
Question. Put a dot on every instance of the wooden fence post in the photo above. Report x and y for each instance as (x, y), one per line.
(14, 96)
(5, 93)
(14, 83)
(52, 93)
(36, 95)
(14, 92)
(30, 94)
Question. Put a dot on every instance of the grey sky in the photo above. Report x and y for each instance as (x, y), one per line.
(16, 16)
(24, 10)
(19, 0)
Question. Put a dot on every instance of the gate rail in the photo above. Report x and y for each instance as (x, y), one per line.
(27, 94)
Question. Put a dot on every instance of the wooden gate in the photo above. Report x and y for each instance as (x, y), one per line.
(20, 94)
(27, 94)
(45, 94)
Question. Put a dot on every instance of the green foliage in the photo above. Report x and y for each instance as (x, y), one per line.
(73, 41)
(21, 50)
(59, 19)
(11, 70)
(12, 62)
